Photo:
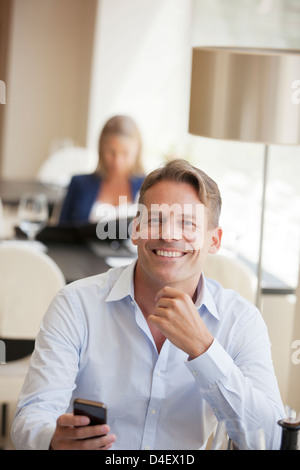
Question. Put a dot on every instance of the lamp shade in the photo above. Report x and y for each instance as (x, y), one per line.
(250, 95)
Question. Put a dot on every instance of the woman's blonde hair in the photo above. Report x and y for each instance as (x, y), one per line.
(180, 171)
(123, 126)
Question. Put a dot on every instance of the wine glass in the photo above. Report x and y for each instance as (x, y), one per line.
(33, 214)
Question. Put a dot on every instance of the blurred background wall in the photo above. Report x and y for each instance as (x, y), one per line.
(48, 68)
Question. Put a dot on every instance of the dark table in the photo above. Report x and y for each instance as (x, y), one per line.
(79, 260)
(76, 260)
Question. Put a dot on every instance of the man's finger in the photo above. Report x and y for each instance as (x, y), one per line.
(69, 419)
(87, 432)
(167, 291)
(163, 302)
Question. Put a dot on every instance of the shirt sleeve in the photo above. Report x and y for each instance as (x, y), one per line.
(51, 377)
(242, 384)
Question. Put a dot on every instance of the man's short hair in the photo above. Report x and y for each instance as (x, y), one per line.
(181, 171)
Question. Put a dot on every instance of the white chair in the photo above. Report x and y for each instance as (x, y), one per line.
(29, 279)
(64, 163)
(232, 273)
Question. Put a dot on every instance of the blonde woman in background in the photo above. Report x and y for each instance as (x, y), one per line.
(119, 174)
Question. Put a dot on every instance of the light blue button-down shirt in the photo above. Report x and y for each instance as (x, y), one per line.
(94, 343)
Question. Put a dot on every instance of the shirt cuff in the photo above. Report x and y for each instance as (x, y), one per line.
(212, 366)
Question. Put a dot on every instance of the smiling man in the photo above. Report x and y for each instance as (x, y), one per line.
(170, 352)
(174, 235)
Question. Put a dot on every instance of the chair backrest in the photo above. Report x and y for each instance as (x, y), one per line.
(61, 165)
(232, 273)
(29, 279)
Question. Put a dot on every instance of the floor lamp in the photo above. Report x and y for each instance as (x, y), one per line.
(247, 95)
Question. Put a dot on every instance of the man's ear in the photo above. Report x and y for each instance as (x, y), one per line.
(215, 240)
(135, 233)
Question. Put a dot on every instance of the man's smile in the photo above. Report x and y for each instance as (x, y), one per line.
(169, 253)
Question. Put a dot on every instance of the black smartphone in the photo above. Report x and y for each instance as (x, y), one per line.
(95, 410)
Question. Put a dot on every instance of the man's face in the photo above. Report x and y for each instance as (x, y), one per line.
(172, 234)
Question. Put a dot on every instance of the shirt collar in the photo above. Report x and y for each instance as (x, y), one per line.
(124, 286)
(205, 298)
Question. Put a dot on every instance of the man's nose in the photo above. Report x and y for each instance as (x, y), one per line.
(171, 231)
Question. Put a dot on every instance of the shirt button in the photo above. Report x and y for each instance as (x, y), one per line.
(153, 411)
(132, 302)
(147, 447)
(158, 373)
(195, 373)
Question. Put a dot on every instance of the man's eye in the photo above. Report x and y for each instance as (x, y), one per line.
(188, 223)
(154, 220)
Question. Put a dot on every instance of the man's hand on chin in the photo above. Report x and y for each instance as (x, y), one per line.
(178, 319)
